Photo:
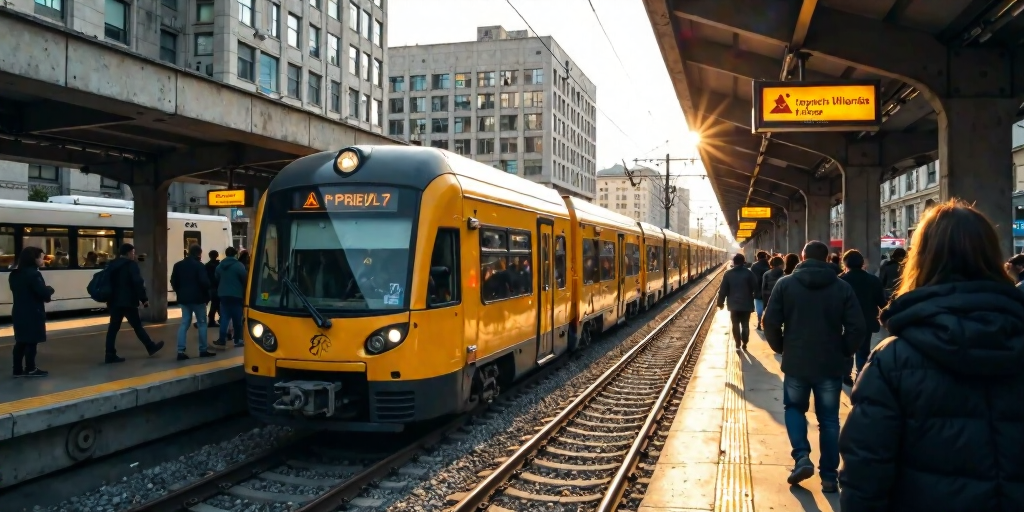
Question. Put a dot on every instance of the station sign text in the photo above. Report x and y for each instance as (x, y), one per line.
(816, 106)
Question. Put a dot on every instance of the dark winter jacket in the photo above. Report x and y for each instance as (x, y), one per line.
(30, 296)
(813, 320)
(211, 274)
(889, 274)
(868, 289)
(231, 277)
(768, 282)
(127, 285)
(759, 268)
(836, 268)
(739, 286)
(190, 281)
(937, 422)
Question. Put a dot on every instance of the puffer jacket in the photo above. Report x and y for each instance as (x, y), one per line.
(890, 273)
(768, 282)
(937, 422)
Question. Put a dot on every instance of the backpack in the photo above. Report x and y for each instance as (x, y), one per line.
(101, 288)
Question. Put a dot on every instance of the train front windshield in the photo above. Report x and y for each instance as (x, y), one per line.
(345, 249)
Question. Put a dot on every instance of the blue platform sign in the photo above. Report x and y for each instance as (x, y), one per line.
(1018, 228)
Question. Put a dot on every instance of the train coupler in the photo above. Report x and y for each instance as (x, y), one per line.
(309, 398)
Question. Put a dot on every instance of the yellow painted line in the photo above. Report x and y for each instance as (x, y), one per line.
(734, 490)
(117, 385)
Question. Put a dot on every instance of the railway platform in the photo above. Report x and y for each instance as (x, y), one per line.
(727, 448)
(86, 409)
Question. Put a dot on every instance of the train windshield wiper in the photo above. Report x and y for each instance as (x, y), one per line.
(318, 318)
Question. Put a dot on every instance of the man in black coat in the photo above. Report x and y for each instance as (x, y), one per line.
(739, 286)
(759, 268)
(890, 271)
(128, 291)
(868, 289)
(192, 286)
(813, 320)
(211, 273)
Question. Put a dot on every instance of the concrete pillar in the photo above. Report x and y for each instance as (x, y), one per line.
(862, 213)
(796, 229)
(151, 246)
(975, 161)
(818, 222)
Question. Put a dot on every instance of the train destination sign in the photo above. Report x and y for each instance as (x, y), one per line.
(816, 106)
(755, 212)
(748, 225)
(745, 233)
(348, 199)
(228, 198)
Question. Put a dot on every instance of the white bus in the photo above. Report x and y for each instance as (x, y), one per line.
(79, 235)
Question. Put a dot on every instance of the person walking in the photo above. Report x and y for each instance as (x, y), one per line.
(834, 263)
(889, 272)
(738, 286)
(231, 276)
(868, 289)
(211, 273)
(813, 320)
(770, 278)
(30, 294)
(128, 291)
(759, 268)
(792, 260)
(192, 286)
(936, 422)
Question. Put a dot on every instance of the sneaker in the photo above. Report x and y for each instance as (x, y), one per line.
(113, 358)
(829, 487)
(182, 356)
(804, 469)
(155, 348)
(218, 343)
(207, 354)
(239, 344)
(35, 373)
(848, 381)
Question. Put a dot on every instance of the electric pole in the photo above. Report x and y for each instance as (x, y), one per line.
(669, 199)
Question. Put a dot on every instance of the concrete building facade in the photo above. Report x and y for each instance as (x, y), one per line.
(504, 100)
(644, 202)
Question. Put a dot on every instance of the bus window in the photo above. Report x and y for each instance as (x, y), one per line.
(96, 247)
(8, 257)
(443, 287)
(53, 242)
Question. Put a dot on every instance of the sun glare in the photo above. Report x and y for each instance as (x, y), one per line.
(691, 139)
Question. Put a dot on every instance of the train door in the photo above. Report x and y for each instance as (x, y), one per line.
(620, 277)
(546, 298)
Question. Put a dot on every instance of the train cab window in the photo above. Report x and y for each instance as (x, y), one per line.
(96, 247)
(505, 264)
(560, 262)
(591, 274)
(53, 241)
(8, 253)
(632, 260)
(443, 285)
(607, 260)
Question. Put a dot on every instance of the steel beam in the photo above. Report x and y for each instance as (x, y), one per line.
(45, 154)
(750, 144)
(736, 62)
(51, 116)
(201, 159)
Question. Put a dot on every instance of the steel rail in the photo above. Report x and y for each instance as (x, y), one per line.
(482, 492)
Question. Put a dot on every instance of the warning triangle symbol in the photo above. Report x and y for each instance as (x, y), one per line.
(311, 201)
(781, 107)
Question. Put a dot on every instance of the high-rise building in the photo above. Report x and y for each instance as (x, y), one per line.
(504, 100)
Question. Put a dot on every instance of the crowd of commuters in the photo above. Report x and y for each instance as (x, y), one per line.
(936, 421)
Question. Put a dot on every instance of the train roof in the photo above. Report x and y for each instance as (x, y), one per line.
(650, 229)
(10, 205)
(592, 214)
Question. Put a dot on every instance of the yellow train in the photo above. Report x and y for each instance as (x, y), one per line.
(391, 285)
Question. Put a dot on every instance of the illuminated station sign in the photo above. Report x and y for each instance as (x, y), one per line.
(816, 106)
(744, 233)
(228, 198)
(752, 225)
(754, 212)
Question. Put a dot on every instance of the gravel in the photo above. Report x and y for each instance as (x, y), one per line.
(156, 481)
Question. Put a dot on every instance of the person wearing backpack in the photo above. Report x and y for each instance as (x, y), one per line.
(127, 291)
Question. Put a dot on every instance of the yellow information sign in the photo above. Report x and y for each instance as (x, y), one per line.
(816, 106)
(755, 212)
(748, 225)
(745, 233)
(227, 198)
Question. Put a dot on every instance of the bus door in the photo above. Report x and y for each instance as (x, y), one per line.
(620, 277)
(546, 292)
(191, 238)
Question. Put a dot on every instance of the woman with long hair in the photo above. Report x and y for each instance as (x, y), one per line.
(937, 422)
(792, 260)
(29, 311)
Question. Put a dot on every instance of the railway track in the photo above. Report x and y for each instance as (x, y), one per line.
(317, 473)
(586, 457)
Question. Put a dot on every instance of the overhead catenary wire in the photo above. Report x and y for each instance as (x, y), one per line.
(614, 51)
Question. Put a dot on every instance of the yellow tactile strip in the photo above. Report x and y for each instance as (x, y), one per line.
(117, 385)
(734, 490)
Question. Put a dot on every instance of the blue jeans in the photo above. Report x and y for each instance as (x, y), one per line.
(759, 308)
(187, 311)
(230, 310)
(796, 398)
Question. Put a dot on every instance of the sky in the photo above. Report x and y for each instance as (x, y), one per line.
(638, 113)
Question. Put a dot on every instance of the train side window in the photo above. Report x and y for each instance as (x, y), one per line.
(560, 261)
(96, 247)
(506, 264)
(632, 257)
(673, 258)
(653, 258)
(8, 252)
(443, 287)
(520, 262)
(590, 263)
(53, 241)
(607, 260)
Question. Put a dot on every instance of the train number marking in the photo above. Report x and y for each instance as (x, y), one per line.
(319, 344)
(366, 199)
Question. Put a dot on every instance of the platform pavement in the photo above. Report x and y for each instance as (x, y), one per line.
(727, 448)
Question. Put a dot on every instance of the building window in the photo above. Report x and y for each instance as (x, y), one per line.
(268, 73)
(115, 21)
(508, 123)
(533, 167)
(463, 146)
(335, 95)
(294, 81)
(55, 9)
(42, 172)
(419, 126)
(439, 104)
(334, 49)
(353, 17)
(419, 82)
(293, 30)
(315, 4)
(396, 128)
(364, 66)
(396, 105)
(510, 145)
(442, 81)
(314, 42)
(532, 121)
(246, 62)
(353, 60)
(204, 12)
(533, 144)
(168, 47)
(314, 89)
(510, 166)
(333, 10)
(110, 184)
(364, 24)
(378, 33)
(463, 80)
(364, 107)
(378, 72)
(439, 125)
(353, 104)
(245, 12)
(485, 124)
(533, 99)
(485, 79)
(378, 113)
(484, 146)
(204, 44)
(397, 83)
(509, 100)
(533, 76)
(485, 101)
(463, 124)
(275, 21)
(509, 77)
(439, 144)
(462, 102)
(417, 105)
(933, 173)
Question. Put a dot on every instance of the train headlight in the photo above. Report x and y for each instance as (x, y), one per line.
(263, 336)
(257, 330)
(269, 342)
(386, 339)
